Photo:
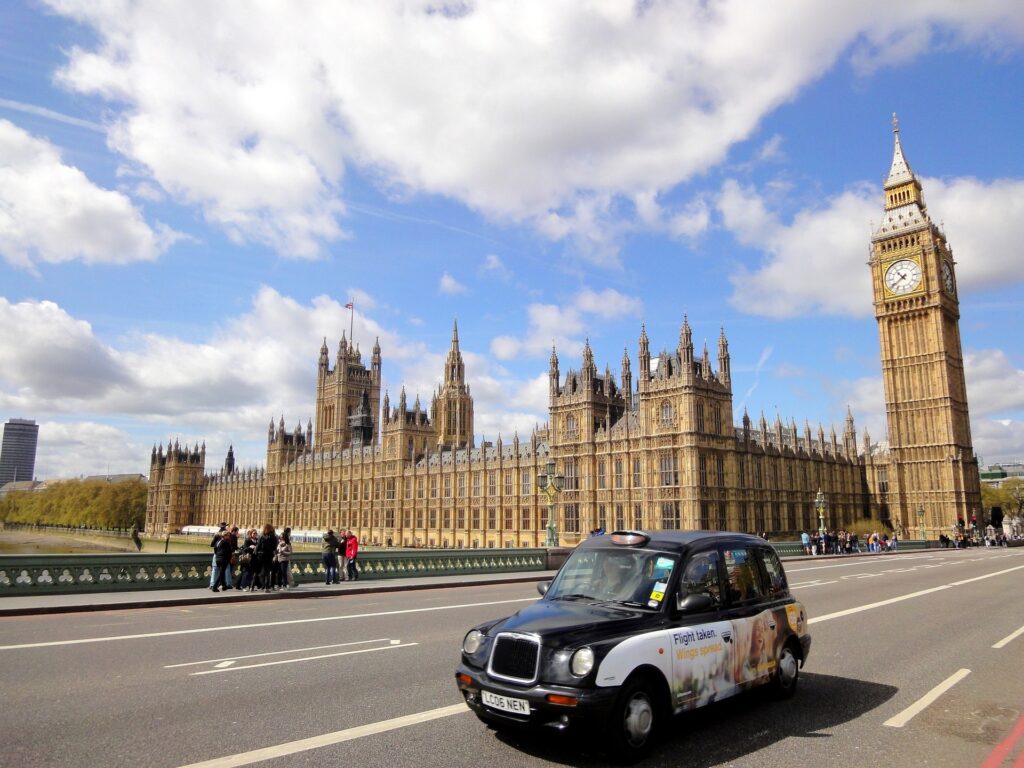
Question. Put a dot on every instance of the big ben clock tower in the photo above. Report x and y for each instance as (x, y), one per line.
(933, 467)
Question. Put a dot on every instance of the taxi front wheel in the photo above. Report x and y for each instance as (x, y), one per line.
(633, 721)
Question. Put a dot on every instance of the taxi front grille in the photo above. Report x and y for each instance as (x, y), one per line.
(515, 657)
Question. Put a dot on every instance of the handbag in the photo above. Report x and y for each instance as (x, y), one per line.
(245, 558)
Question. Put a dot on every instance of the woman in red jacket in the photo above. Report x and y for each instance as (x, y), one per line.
(351, 550)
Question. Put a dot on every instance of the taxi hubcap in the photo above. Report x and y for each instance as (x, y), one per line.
(639, 718)
(787, 668)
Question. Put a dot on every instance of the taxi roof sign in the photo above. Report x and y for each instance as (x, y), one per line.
(629, 538)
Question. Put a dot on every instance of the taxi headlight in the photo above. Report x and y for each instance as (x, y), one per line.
(471, 643)
(582, 662)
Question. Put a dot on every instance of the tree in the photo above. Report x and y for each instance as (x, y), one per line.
(89, 503)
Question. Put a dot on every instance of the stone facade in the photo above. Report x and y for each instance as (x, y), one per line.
(664, 453)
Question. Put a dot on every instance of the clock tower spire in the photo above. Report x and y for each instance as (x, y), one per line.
(933, 466)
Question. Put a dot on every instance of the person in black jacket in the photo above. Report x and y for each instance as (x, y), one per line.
(222, 552)
(266, 548)
(247, 561)
(213, 545)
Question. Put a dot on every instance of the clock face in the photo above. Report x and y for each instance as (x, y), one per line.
(947, 276)
(903, 276)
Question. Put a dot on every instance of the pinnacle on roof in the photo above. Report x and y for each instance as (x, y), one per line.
(899, 172)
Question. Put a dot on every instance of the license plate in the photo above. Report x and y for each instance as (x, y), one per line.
(505, 703)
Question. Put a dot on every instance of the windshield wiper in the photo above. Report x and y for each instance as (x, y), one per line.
(627, 603)
(574, 596)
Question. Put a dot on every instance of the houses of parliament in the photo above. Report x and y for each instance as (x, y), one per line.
(658, 449)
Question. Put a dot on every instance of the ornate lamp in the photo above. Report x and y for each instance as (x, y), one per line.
(551, 484)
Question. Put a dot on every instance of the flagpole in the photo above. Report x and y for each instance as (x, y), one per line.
(351, 321)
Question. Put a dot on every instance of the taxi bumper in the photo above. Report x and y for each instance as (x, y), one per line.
(550, 706)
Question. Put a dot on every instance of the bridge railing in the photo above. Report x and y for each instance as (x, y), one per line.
(62, 574)
(115, 572)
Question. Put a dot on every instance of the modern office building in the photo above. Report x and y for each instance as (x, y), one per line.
(18, 451)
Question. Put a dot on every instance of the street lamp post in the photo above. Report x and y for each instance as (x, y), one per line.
(920, 519)
(820, 504)
(551, 484)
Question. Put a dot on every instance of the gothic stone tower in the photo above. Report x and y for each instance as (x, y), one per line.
(339, 392)
(452, 408)
(918, 312)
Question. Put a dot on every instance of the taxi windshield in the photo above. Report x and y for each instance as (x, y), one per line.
(634, 578)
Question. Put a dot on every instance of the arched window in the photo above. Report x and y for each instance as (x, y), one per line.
(571, 427)
(666, 413)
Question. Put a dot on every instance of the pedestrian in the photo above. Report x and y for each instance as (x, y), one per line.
(329, 555)
(351, 550)
(213, 545)
(266, 548)
(284, 557)
(805, 541)
(247, 561)
(342, 554)
(222, 553)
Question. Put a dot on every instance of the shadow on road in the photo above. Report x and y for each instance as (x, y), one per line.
(731, 729)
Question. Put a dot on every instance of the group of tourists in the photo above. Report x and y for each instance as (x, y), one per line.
(846, 542)
(262, 557)
(339, 556)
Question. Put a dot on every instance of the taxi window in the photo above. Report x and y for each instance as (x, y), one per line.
(744, 579)
(776, 585)
(701, 577)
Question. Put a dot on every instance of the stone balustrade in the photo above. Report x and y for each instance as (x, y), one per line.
(58, 574)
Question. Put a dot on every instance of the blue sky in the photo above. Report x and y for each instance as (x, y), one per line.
(189, 195)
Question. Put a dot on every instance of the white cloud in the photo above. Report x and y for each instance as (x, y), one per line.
(449, 286)
(495, 267)
(72, 449)
(547, 114)
(550, 324)
(51, 212)
(223, 389)
(816, 262)
(995, 387)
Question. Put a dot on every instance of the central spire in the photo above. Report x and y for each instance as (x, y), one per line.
(899, 171)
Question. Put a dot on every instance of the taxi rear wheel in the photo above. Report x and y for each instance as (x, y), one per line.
(787, 673)
(634, 721)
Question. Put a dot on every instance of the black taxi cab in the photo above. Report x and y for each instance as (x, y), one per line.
(636, 627)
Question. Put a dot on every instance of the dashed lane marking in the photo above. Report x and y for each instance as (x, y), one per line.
(1009, 639)
(904, 717)
(327, 739)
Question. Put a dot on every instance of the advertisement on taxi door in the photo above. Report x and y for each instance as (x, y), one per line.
(713, 661)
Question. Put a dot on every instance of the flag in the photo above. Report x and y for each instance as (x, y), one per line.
(349, 305)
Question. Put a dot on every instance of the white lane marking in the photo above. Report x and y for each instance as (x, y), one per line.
(904, 717)
(229, 628)
(910, 596)
(277, 653)
(327, 739)
(225, 664)
(858, 563)
(1009, 638)
(304, 658)
(812, 584)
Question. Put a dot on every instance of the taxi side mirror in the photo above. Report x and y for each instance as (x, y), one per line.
(696, 603)
(542, 587)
